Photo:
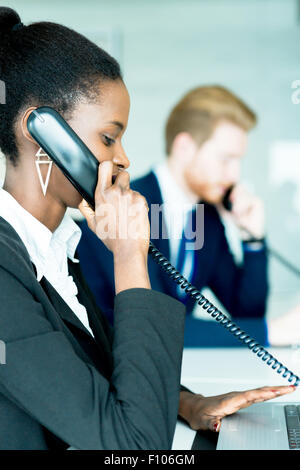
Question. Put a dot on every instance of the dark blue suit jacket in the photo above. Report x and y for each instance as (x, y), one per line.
(242, 290)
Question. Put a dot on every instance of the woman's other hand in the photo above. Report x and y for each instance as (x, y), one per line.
(206, 413)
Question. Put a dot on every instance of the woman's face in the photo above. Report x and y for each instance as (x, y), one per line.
(100, 126)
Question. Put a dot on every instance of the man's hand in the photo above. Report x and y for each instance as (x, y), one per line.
(247, 212)
(206, 413)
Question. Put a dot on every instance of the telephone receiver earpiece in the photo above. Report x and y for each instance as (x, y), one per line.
(80, 166)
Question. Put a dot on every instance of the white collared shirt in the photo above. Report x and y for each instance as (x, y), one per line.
(48, 251)
(176, 209)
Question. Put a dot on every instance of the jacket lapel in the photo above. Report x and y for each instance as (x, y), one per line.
(101, 329)
(61, 306)
(95, 350)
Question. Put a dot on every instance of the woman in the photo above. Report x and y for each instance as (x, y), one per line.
(68, 381)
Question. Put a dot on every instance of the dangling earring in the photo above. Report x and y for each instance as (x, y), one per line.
(38, 162)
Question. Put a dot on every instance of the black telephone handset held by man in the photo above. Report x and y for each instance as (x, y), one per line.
(80, 166)
(227, 204)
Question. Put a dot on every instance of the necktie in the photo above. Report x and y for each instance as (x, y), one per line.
(186, 259)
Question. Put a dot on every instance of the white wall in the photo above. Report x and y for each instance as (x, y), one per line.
(169, 46)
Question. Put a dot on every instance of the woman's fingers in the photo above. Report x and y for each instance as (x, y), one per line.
(215, 425)
(105, 179)
(264, 392)
(87, 212)
(86, 209)
(249, 397)
(123, 180)
(120, 220)
(105, 172)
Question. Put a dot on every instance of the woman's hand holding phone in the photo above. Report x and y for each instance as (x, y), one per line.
(121, 221)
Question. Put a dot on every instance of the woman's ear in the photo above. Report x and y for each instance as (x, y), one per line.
(24, 128)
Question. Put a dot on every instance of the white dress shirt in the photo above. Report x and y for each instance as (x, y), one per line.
(48, 251)
(176, 208)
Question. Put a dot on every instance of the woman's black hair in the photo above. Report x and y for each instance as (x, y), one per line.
(49, 64)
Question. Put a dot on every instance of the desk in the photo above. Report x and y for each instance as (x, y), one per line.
(214, 371)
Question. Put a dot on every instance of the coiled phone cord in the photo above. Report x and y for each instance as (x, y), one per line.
(220, 317)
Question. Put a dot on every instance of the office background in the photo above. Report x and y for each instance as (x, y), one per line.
(166, 47)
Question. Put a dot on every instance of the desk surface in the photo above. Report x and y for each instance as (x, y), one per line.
(214, 371)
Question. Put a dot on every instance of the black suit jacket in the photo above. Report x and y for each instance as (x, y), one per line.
(242, 290)
(61, 387)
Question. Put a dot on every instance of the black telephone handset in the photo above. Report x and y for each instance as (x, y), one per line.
(226, 202)
(66, 149)
(79, 165)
